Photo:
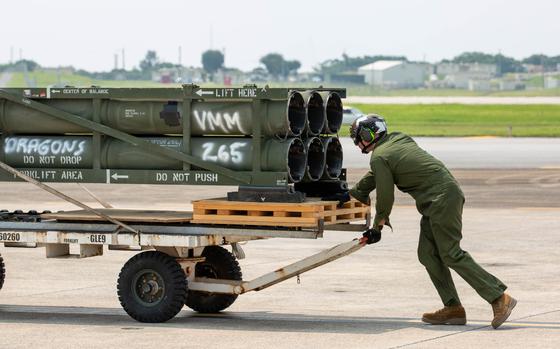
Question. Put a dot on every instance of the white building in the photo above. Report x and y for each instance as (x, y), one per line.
(394, 74)
(460, 75)
(551, 82)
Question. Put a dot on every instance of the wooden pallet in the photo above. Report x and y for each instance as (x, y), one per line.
(124, 215)
(306, 215)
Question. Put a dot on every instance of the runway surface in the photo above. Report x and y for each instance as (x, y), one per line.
(476, 152)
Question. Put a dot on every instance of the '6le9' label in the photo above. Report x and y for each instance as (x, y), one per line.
(99, 238)
(10, 236)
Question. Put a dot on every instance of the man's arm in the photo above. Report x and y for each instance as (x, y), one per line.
(362, 189)
(385, 190)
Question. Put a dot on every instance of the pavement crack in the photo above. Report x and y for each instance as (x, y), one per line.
(439, 337)
(472, 329)
(538, 314)
(58, 291)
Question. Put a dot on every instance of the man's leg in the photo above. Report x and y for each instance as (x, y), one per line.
(439, 273)
(453, 313)
(446, 223)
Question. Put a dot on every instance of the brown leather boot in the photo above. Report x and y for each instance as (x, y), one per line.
(502, 308)
(448, 315)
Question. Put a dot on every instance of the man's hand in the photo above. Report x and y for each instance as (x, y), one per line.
(341, 197)
(371, 236)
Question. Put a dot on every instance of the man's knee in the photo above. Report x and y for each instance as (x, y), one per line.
(452, 257)
(426, 254)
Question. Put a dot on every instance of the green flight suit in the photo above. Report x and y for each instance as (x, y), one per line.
(398, 160)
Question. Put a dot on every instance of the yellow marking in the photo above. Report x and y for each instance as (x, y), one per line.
(550, 167)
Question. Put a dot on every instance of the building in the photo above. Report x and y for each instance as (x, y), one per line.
(465, 75)
(178, 75)
(551, 82)
(394, 74)
(511, 85)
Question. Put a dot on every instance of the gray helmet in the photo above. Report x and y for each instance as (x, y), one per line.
(368, 129)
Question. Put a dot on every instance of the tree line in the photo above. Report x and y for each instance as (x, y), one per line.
(278, 67)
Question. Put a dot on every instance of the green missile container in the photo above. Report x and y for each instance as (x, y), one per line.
(229, 152)
(333, 157)
(245, 135)
(233, 153)
(315, 111)
(315, 159)
(280, 117)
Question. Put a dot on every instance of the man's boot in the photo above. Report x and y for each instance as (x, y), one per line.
(502, 308)
(448, 315)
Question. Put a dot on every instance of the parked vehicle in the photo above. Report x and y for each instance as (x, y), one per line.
(350, 114)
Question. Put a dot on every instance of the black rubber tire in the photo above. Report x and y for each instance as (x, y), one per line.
(219, 264)
(2, 272)
(174, 283)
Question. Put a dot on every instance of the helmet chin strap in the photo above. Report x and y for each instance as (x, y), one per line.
(367, 149)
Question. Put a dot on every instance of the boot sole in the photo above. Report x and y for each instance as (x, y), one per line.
(455, 321)
(500, 321)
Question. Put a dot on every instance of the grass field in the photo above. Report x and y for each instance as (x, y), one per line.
(469, 120)
(49, 78)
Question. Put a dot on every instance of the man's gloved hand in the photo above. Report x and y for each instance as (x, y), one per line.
(341, 197)
(372, 235)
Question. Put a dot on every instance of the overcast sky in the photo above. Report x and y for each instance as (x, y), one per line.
(87, 34)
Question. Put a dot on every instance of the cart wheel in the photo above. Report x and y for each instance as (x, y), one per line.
(2, 272)
(152, 287)
(219, 264)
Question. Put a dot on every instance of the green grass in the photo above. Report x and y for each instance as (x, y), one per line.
(469, 120)
(370, 91)
(42, 79)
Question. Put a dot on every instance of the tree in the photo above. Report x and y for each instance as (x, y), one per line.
(276, 65)
(505, 64)
(212, 60)
(29, 64)
(549, 63)
(150, 62)
(293, 66)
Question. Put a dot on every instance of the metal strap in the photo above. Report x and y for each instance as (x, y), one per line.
(65, 197)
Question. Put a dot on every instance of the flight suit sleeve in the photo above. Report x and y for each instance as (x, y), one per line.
(362, 189)
(385, 190)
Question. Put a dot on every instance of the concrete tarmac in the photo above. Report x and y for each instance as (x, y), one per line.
(476, 152)
(371, 299)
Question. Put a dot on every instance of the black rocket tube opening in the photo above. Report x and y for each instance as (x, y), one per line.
(333, 166)
(297, 160)
(315, 158)
(296, 113)
(315, 113)
(334, 113)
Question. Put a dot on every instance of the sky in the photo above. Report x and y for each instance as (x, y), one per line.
(87, 34)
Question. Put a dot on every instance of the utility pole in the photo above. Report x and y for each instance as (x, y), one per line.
(542, 71)
(180, 58)
(123, 61)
